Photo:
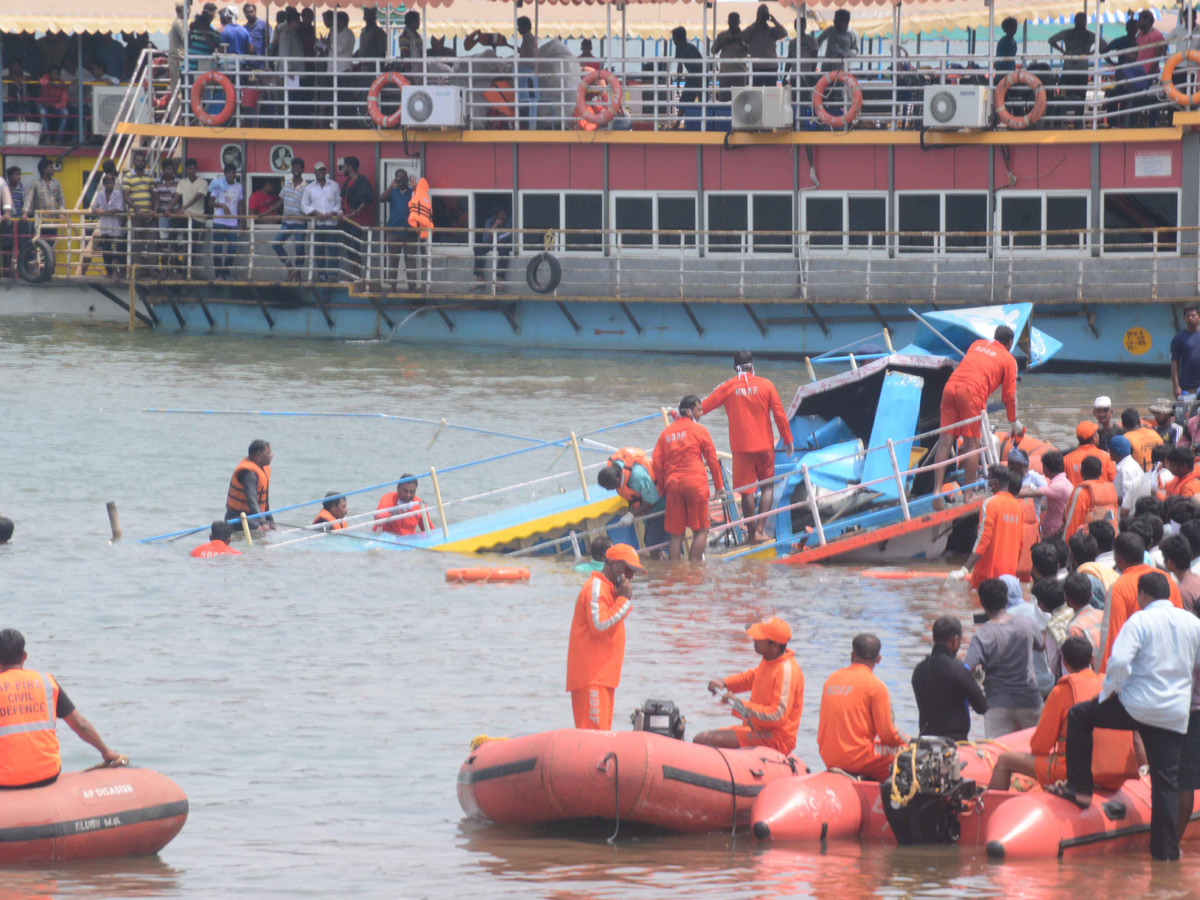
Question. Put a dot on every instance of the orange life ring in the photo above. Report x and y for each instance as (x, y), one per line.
(383, 80)
(486, 575)
(226, 113)
(598, 115)
(1176, 96)
(850, 83)
(1031, 81)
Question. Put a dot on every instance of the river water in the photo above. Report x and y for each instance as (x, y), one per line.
(316, 705)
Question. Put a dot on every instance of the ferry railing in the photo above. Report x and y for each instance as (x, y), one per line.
(665, 93)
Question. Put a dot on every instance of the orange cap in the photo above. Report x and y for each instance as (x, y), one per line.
(626, 554)
(772, 629)
(1085, 430)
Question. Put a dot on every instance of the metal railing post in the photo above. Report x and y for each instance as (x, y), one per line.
(900, 491)
(1154, 279)
(1010, 267)
(250, 252)
(812, 505)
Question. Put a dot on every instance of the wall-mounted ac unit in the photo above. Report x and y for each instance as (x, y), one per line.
(432, 107)
(761, 109)
(106, 104)
(956, 106)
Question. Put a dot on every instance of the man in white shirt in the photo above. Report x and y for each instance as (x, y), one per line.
(1147, 689)
(1129, 474)
(322, 202)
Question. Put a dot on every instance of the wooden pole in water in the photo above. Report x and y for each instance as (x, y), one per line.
(666, 417)
(887, 339)
(579, 467)
(812, 376)
(853, 364)
(437, 495)
(246, 531)
(114, 521)
(435, 434)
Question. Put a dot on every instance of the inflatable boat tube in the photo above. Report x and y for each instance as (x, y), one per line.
(648, 778)
(486, 575)
(89, 815)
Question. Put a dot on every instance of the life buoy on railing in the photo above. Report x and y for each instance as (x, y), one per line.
(1031, 81)
(395, 79)
(589, 114)
(1176, 96)
(222, 81)
(488, 575)
(850, 83)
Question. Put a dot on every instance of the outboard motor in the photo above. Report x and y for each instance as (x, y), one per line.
(659, 717)
(924, 796)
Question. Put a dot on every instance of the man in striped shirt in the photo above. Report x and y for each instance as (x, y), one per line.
(138, 188)
(294, 226)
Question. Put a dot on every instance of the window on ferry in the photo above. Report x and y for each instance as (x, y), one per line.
(677, 214)
(772, 212)
(633, 214)
(1066, 214)
(867, 214)
(824, 214)
(487, 204)
(539, 211)
(917, 213)
(451, 218)
(584, 212)
(1140, 211)
(1034, 214)
(1020, 214)
(966, 213)
(727, 213)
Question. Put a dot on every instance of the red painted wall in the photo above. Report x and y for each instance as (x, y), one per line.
(846, 168)
(1118, 166)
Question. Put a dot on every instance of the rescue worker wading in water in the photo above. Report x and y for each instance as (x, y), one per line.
(771, 716)
(596, 649)
(332, 516)
(631, 474)
(680, 456)
(219, 536)
(250, 486)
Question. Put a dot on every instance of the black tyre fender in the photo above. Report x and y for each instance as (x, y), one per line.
(534, 267)
(35, 263)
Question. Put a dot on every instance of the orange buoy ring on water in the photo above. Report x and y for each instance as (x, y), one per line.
(597, 115)
(850, 83)
(1176, 96)
(486, 575)
(1031, 81)
(226, 113)
(387, 78)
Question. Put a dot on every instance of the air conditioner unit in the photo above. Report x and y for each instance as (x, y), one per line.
(106, 105)
(432, 107)
(761, 109)
(956, 106)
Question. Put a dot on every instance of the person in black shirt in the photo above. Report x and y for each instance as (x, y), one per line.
(943, 686)
(687, 53)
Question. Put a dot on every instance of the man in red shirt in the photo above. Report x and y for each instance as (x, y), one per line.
(266, 202)
(404, 508)
(987, 365)
(679, 457)
(218, 542)
(750, 401)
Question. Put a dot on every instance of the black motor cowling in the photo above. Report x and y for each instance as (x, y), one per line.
(659, 717)
(923, 797)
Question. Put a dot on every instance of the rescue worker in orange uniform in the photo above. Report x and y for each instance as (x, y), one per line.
(985, 366)
(631, 474)
(1113, 757)
(771, 716)
(750, 402)
(250, 487)
(1181, 462)
(332, 516)
(1087, 435)
(31, 703)
(1092, 499)
(680, 455)
(405, 511)
(855, 731)
(596, 648)
(1001, 531)
(1129, 555)
(219, 536)
(1142, 439)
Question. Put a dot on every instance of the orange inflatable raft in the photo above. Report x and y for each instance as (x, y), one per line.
(486, 575)
(92, 814)
(647, 778)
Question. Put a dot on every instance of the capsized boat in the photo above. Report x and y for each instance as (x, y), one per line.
(92, 814)
(636, 776)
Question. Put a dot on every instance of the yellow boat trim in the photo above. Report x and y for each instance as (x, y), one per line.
(557, 522)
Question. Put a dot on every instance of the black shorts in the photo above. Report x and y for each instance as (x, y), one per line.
(1189, 759)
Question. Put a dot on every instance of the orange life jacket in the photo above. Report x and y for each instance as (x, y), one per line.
(629, 457)
(1032, 536)
(1113, 757)
(420, 210)
(236, 500)
(28, 742)
(335, 524)
(1142, 441)
(1100, 499)
(501, 99)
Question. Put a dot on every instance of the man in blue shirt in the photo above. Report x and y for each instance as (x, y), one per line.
(1006, 48)
(1185, 354)
(234, 35)
(402, 241)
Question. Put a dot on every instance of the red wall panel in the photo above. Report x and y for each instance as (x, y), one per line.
(541, 166)
(627, 167)
(671, 168)
(587, 168)
(467, 166)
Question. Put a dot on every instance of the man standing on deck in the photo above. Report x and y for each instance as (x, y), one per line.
(1001, 532)
(987, 365)
(750, 401)
(596, 649)
(250, 486)
(771, 717)
(29, 755)
(219, 536)
(680, 455)
(406, 510)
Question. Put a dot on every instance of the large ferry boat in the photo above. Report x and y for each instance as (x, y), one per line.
(663, 196)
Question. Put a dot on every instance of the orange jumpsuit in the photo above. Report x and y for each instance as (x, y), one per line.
(213, 548)
(855, 710)
(683, 449)
(409, 525)
(1073, 460)
(1113, 758)
(1122, 603)
(772, 715)
(1143, 441)
(1001, 536)
(987, 365)
(596, 651)
(750, 402)
(1089, 496)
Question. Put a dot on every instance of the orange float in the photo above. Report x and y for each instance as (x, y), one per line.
(1176, 96)
(489, 575)
(591, 116)
(197, 98)
(850, 83)
(395, 79)
(1031, 81)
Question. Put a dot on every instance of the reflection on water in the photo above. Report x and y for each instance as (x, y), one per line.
(316, 706)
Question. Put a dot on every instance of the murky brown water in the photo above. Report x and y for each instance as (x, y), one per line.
(316, 705)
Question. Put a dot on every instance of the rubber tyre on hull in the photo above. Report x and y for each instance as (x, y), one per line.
(532, 270)
(35, 263)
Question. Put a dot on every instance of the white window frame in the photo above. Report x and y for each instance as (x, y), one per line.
(747, 248)
(654, 246)
(939, 244)
(458, 249)
(533, 243)
(1149, 251)
(1043, 249)
(846, 249)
